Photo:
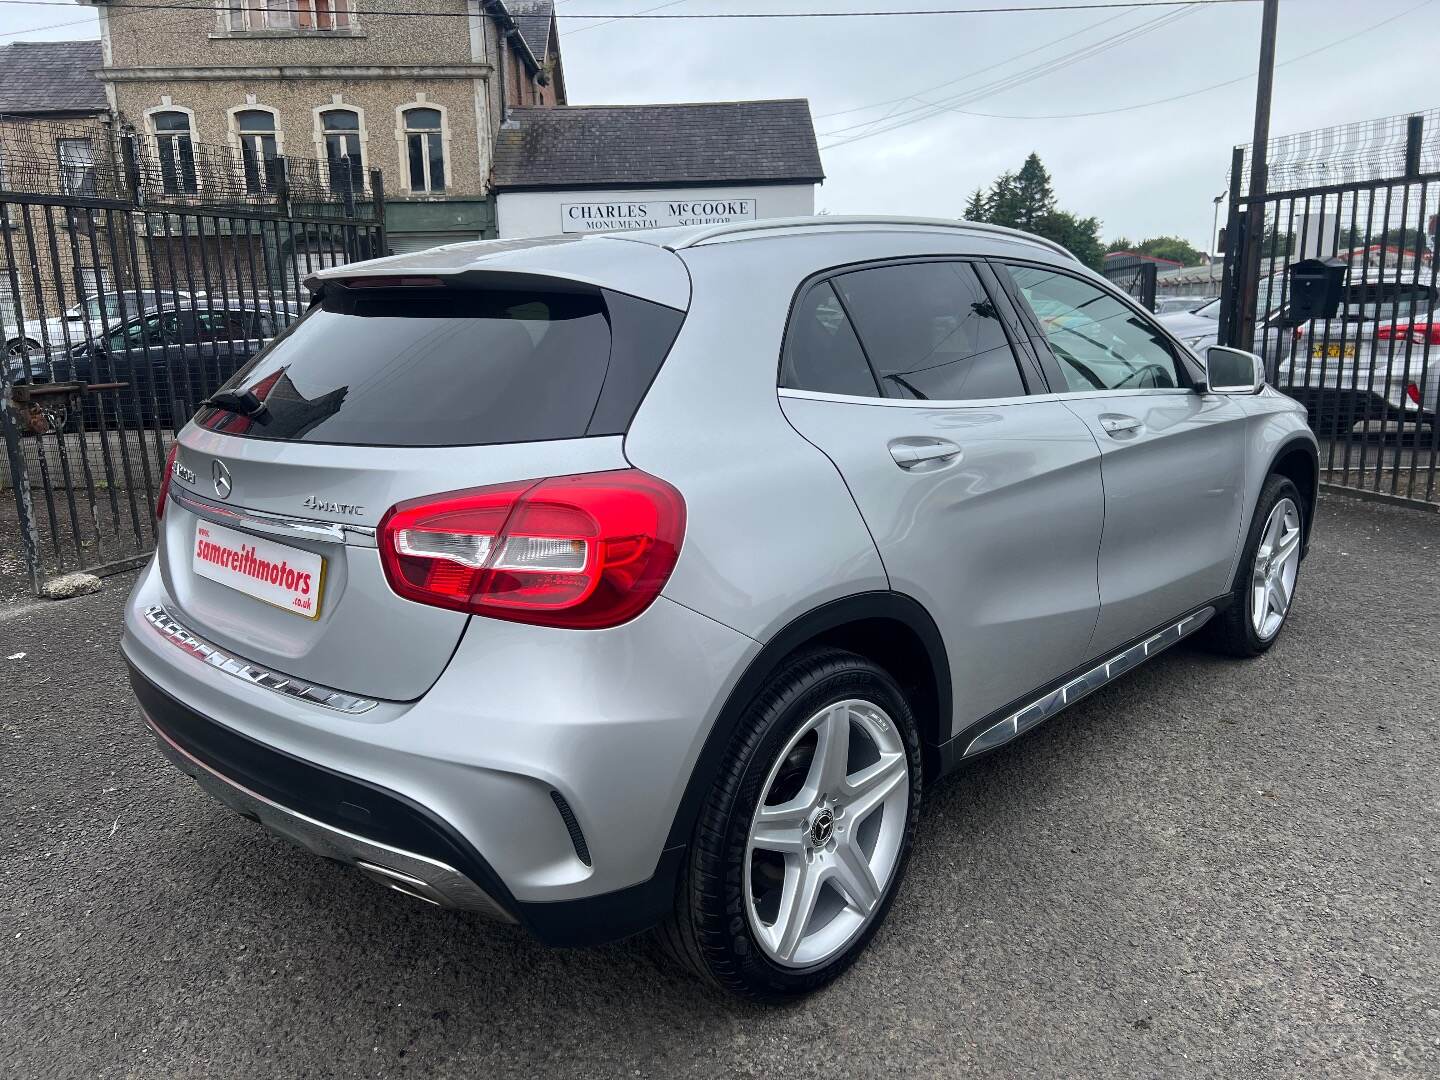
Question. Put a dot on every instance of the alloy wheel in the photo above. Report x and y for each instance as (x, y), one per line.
(827, 834)
(1277, 562)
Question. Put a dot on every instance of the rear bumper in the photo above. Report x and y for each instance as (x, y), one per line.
(399, 868)
(458, 797)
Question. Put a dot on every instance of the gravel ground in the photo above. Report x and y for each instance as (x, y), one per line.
(1211, 869)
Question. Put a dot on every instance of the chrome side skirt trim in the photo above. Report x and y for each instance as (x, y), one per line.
(1021, 721)
(415, 875)
(328, 532)
(181, 636)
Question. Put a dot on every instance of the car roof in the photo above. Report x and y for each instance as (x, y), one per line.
(679, 238)
(643, 263)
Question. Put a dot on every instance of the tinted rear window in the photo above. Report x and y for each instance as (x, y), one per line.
(453, 367)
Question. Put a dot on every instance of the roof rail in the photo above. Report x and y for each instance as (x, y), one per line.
(739, 228)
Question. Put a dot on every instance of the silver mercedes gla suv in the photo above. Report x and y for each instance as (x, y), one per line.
(605, 583)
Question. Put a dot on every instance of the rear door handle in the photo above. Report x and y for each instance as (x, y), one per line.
(924, 454)
(1115, 424)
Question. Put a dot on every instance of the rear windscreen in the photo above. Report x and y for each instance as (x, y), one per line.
(451, 367)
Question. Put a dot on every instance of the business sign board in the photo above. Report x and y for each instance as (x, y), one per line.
(652, 214)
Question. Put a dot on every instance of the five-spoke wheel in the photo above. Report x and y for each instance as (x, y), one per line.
(827, 834)
(1273, 573)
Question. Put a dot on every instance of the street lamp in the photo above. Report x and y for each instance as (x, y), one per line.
(1214, 234)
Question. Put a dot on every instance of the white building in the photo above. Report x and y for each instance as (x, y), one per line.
(601, 167)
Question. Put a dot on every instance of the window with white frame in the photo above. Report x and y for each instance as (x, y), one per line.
(340, 129)
(255, 128)
(425, 150)
(77, 166)
(296, 15)
(175, 146)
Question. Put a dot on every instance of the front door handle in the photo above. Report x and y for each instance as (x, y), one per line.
(1117, 424)
(924, 454)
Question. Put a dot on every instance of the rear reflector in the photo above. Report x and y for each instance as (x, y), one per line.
(584, 552)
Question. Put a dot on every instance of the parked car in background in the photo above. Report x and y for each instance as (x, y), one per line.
(1170, 305)
(1378, 359)
(165, 361)
(653, 579)
(89, 316)
(1198, 328)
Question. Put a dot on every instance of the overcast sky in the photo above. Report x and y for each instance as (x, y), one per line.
(1142, 171)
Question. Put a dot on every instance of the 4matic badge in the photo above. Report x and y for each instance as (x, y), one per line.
(326, 506)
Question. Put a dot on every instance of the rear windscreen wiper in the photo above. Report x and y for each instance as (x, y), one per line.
(240, 402)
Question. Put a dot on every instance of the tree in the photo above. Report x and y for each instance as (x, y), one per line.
(1002, 204)
(1026, 200)
(1034, 196)
(1120, 243)
(1080, 235)
(1173, 248)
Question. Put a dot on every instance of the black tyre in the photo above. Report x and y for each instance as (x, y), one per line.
(801, 846)
(1265, 581)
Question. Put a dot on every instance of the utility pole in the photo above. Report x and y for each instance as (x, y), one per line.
(1259, 167)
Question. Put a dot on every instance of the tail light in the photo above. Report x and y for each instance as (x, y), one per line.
(584, 552)
(1421, 333)
(165, 480)
(1413, 393)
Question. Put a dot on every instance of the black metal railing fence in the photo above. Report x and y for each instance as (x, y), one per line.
(127, 295)
(1368, 372)
(1137, 278)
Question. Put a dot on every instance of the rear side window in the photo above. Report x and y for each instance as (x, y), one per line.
(931, 331)
(454, 367)
(821, 351)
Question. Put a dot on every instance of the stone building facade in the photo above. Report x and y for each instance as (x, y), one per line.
(55, 135)
(420, 96)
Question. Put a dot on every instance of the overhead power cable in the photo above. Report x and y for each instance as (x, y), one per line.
(1012, 9)
(923, 110)
(946, 107)
(978, 71)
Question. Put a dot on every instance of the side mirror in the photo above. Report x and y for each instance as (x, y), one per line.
(1233, 371)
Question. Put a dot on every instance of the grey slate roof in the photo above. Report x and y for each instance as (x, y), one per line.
(712, 142)
(532, 19)
(51, 77)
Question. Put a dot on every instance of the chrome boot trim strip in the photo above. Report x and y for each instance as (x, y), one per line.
(329, 532)
(1045, 707)
(181, 636)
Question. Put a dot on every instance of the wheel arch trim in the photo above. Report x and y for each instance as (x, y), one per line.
(812, 627)
(1304, 443)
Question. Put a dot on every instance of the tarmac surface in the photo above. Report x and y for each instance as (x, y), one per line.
(1210, 869)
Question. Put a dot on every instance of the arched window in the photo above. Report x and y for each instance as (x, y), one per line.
(425, 150)
(175, 144)
(340, 129)
(258, 149)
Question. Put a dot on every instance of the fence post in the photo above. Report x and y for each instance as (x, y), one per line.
(1233, 254)
(377, 197)
(1414, 131)
(347, 196)
(131, 156)
(282, 167)
(1149, 274)
(20, 481)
